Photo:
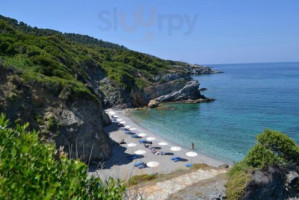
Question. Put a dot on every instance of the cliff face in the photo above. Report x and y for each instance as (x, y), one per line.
(75, 123)
(175, 86)
(273, 183)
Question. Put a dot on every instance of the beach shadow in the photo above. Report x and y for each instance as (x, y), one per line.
(184, 160)
(119, 157)
(111, 128)
(169, 154)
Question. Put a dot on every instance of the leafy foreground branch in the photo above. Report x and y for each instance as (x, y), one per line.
(32, 170)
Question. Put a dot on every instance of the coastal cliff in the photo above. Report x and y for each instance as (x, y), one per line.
(61, 83)
(60, 116)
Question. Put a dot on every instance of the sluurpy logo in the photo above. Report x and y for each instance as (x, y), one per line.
(170, 24)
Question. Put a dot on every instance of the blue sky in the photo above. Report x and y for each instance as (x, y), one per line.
(196, 31)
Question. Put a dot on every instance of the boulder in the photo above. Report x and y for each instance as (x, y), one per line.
(189, 91)
(266, 185)
(153, 103)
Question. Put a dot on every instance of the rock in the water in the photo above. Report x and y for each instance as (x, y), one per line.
(202, 89)
(153, 103)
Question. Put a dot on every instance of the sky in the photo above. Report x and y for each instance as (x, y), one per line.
(195, 31)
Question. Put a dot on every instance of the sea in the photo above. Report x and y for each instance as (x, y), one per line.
(249, 99)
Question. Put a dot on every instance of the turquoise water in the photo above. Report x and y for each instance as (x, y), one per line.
(249, 98)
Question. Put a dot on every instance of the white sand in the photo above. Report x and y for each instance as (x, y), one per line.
(119, 166)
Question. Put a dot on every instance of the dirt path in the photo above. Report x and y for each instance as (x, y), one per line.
(162, 190)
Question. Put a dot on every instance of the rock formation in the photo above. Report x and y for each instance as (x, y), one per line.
(75, 123)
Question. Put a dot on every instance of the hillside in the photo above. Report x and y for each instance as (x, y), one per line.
(57, 81)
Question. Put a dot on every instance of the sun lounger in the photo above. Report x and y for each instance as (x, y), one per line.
(138, 164)
(142, 166)
(189, 165)
(134, 156)
(145, 142)
(176, 158)
(164, 153)
(129, 133)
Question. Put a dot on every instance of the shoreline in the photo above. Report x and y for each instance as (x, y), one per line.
(172, 142)
(119, 166)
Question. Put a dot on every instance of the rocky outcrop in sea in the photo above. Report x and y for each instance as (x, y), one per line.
(176, 86)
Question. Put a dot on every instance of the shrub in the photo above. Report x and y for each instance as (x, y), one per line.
(272, 149)
(134, 180)
(236, 187)
(280, 145)
(30, 169)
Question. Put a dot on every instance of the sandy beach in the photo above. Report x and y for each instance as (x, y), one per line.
(120, 166)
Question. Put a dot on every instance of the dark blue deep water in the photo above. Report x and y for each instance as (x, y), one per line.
(249, 99)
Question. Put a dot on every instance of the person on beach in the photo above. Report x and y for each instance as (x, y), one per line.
(192, 144)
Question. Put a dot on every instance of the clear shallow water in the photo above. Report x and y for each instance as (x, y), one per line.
(249, 98)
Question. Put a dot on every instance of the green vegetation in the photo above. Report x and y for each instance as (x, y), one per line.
(137, 179)
(149, 178)
(59, 60)
(237, 184)
(32, 170)
(197, 166)
(273, 149)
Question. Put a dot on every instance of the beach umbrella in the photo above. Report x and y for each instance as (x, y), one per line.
(111, 113)
(123, 122)
(191, 154)
(127, 127)
(133, 129)
(175, 148)
(131, 145)
(118, 120)
(150, 139)
(142, 134)
(116, 116)
(140, 152)
(152, 164)
(162, 144)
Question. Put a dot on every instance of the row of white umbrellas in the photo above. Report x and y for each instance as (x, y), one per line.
(141, 152)
(151, 164)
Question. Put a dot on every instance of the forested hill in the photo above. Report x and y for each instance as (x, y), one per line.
(60, 83)
(83, 39)
(67, 56)
(82, 61)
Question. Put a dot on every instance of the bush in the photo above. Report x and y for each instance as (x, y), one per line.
(273, 149)
(134, 180)
(236, 187)
(280, 145)
(32, 170)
